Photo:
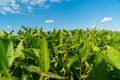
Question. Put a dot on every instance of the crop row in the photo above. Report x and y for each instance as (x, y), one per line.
(33, 54)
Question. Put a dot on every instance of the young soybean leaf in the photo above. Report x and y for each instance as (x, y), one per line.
(114, 57)
(18, 52)
(10, 53)
(60, 36)
(44, 58)
(72, 60)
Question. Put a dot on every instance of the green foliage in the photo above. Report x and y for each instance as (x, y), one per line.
(33, 54)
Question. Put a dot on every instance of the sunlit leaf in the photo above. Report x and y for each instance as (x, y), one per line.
(36, 51)
(18, 52)
(60, 36)
(10, 53)
(44, 58)
(114, 57)
(84, 51)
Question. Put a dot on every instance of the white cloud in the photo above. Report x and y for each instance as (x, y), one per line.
(15, 6)
(35, 2)
(7, 9)
(105, 19)
(29, 8)
(9, 26)
(24, 1)
(55, 0)
(49, 21)
(46, 6)
(9, 6)
(3, 12)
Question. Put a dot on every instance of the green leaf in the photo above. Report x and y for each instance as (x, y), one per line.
(29, 53)
(10, 53)
(108, 37)
(15, 78)
(26, 29)
(85, 50)
(114, 57)
(18, 52)
(44, 58)
(98, 58)
(72, 60)
(100, 72)
(3, 60)
(95, 48)
(52, 75)
(3, 78)
(60, 36)
(116, 73)
(3, 34)
(27, 77)
(31, 68)
(36, 51)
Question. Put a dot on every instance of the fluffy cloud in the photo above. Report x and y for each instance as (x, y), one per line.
(49, 21)
(9, 26)
(9, 6)
(39, 2)
(55, 0)
(46, 6)
(24, 1)
(29, 8)
(105, 19)
(15, 6)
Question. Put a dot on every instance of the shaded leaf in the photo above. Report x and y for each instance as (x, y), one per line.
(100, 72)
(3, 60)
(72, 60)
(29, 53)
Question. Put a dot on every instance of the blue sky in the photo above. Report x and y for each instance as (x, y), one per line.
(59, 14)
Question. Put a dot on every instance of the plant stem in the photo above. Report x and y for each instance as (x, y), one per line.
(41, 78)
